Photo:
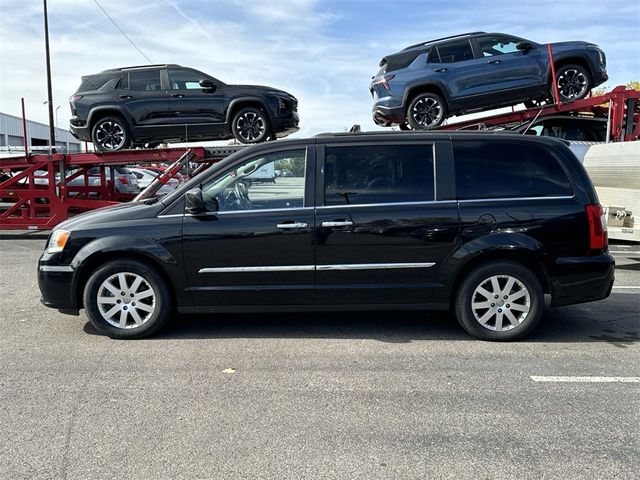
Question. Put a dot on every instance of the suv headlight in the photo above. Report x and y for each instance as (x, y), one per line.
(58, 241)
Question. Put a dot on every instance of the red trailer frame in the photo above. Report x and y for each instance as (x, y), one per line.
(617, 104)
(33, 196)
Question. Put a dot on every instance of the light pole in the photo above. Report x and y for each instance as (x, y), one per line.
(52, 132)
(57, 108)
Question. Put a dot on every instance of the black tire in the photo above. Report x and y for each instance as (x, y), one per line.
(574, 83)
(111, 134)
(404, 127)
(251, 125)
(537, 103)
(426, 111)
(158, 308)
(494, 311)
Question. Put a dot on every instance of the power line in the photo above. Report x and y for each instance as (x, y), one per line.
(122, 32)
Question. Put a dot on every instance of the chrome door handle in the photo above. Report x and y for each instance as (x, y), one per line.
(493, 62)
(292, 225)
(341, 223)
(439, 70)
(177, 95)
(126, 97)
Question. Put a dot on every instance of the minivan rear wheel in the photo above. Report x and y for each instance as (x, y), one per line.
(426, 111)
(127, 299)
(500, 301)
(110, 134)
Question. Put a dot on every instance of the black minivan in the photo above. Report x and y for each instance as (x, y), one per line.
(482, 224)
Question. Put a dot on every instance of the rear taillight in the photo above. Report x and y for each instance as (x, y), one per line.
(123, 180)
(597, 227)
(384, 81)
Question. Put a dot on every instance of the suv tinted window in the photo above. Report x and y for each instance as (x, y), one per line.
(93, 82)
(497, 45)
(506, 170)
(455, 51)
(378, 174)
(184, 80)
(144, 80)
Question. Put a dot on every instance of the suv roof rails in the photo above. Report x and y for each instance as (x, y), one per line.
(134, 67)
(421, 44)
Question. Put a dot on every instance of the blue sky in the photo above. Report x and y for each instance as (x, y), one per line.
(324, 52)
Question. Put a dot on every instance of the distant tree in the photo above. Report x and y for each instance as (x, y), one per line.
(634, 85)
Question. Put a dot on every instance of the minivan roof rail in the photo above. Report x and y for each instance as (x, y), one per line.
(134, 67)
(421, 44)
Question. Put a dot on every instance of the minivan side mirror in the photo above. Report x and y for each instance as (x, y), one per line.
(194, 202)
(524, 46)
(208, 84)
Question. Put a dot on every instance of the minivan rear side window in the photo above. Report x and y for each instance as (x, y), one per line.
(486, 170)
(378, 174)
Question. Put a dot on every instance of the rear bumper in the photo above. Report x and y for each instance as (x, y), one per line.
(387, 116)
(582, 279)
(80, 132)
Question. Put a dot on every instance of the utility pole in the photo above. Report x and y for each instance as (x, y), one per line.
(52, 131)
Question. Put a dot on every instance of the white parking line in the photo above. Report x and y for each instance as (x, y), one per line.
(625, 287)
(536, 378)
(623, 252)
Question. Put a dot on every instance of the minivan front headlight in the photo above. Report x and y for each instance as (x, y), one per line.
(58, 241)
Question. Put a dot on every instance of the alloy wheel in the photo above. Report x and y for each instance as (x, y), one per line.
(126, 300)
(500, 303)
(572, 83)
(251, 126)
(110, 135)
(427, 112)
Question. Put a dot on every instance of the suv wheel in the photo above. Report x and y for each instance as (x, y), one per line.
(127, 299)
(250, 125)
(500, 301)
(573, 83)
(111, 134)
(426, 111)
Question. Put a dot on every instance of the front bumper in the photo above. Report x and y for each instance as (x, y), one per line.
(582, 279)
(283, 127)
(57, 286)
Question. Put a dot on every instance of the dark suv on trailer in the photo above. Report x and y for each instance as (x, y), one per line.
(134, 106)
(420, 86)
(482, 224)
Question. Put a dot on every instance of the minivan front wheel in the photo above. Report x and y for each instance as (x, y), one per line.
(250, 125)
(127, 299)
(500, 301)
(573, 83)
(427, 110)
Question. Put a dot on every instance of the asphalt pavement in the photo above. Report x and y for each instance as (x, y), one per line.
(392, 395)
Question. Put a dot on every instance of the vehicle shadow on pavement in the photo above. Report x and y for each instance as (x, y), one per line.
(591, 322)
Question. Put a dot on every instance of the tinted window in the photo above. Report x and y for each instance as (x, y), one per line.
(378, 174)
(455, 51)
(93, 82)
(497, 45)
(184, 80)
(506, 170)
(124, 82)
(145, 80)
(254, 185)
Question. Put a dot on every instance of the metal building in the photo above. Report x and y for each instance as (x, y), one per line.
(12, 137)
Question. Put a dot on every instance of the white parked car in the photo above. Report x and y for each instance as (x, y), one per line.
(145, 177)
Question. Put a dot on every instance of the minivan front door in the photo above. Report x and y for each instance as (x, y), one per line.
(381, 236)
(254, 246)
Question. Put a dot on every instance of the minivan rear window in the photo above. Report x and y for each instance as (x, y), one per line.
(378, 174)
(486, 170)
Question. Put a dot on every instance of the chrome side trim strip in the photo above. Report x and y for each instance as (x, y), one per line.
(374, 266)
(275, 268)
(56, 268)
(391, 204)
(310, 268)
(513, 199)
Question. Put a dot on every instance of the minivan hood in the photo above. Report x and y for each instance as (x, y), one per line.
(125, 211)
